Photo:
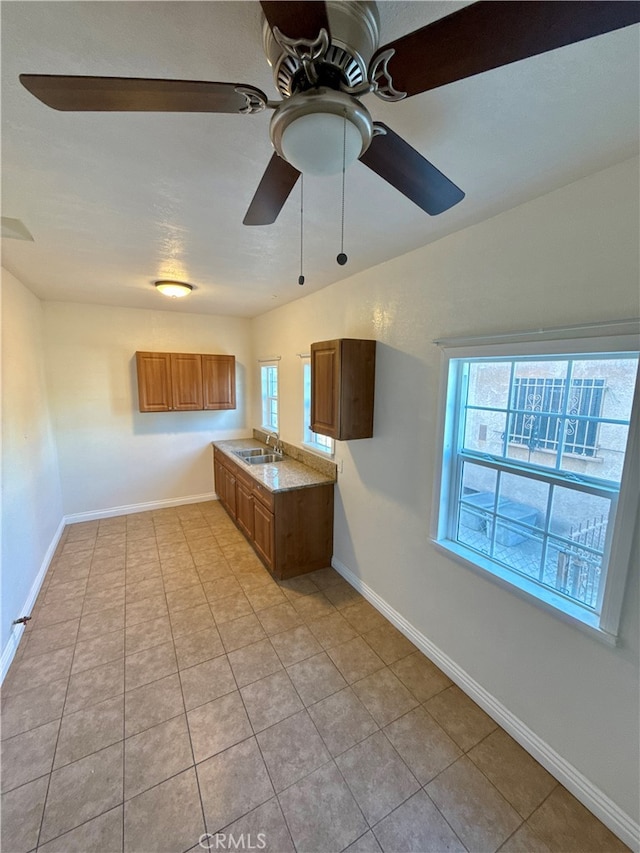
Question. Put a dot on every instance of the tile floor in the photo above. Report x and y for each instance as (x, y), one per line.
(167, 687)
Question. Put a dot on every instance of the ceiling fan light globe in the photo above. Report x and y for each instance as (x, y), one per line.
(319, 143)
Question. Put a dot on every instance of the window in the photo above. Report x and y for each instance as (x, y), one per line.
(534, 454)
(313, 439)
(269, 378)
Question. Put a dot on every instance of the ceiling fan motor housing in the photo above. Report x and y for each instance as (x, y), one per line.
(355, 34)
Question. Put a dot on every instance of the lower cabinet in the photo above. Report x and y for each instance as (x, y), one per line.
(291, 531)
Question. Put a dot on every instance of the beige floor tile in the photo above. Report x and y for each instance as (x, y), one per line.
(477, 812)
(103, 599)
(314, 606)
(270, 700)
(222, 587)
(518, 776)
(218, 725)
(103, 622)
(145, 609)
(103, 833)
(388, 643)
(280, 617)
(253, 662)
(149, 665)
(99, 580)
(21, 815)
(264, 827)
(206, 681)
(181, 579)
(151, 704)
(185, 622)
(186, 598)
(52, 614)
(94, 685)
(417, 825)
(363, 617)
(342, 720)
(566, 826)
(342, 595)
(48, 639)
(251, 574)
(99, 650)
(324, 578)
(421, 676)
(230, 607)
(90, 730)
(167, 817)
(425, 747)
(33, 708)
(241, 632)
(524, 840)
(155, 755)
(355, 659)
(332, 630)
(83, 790)
(295, 645)
(377, 776)
(150, 570)
(145, 635)
(296, 587)
(30, 672)
(367, 843)
(29, 755)
(315, 678)
(267, 596)
(192, 649)
(464, 721)
(233, 783)
(321, 811)
(292, 749)
(148, 588)
(384, 696)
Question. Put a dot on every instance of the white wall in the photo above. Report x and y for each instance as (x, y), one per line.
(565, 258)
(31, 497)
(111, 455)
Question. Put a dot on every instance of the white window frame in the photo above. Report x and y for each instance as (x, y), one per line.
(313, 440)
(266, 399)
(622, 338)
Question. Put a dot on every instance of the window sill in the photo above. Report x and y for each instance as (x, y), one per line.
(546, 599)
(321, 451)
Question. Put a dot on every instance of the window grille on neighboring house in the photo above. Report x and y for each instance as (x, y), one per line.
(538, 405)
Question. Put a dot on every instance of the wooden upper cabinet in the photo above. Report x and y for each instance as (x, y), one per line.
(342, 388)
(154, 381)
(219, 381)
(184, 382)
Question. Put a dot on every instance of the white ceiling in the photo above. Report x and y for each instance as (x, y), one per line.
(115, 201)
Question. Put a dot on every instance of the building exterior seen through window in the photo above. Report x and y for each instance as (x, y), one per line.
(533, 477)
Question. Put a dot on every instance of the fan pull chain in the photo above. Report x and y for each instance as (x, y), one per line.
(342, 258)
(301, 276)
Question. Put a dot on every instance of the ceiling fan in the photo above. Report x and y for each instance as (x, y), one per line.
(325, 58)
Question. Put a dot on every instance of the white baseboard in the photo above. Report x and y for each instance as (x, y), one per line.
(589, 794)
(12, 643)
(129, 509)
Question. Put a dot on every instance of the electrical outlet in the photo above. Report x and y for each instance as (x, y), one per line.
(339, 465)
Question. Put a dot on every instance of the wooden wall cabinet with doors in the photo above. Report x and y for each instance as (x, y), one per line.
(185, 382)
(291, 531)
(342, 388)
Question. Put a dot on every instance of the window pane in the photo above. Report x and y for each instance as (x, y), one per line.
(484, 431)
(489, 384)
(477, 498)
(523, 499)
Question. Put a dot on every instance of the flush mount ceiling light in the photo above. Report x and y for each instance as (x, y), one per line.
(174, 289)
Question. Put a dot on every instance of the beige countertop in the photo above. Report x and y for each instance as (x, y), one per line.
(276, 477)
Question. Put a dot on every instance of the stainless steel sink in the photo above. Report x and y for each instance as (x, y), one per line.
(252, 451)
(264, 459)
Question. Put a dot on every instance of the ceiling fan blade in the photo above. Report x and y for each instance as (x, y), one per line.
(273, 190)
(113, 94)
(409, 172)
(488, 35)
(302, 20)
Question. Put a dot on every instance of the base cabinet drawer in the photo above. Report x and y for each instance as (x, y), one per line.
(291, 531)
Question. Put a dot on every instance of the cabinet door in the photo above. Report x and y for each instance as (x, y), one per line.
(244, 508)
(230, 492)
(186, 381)
(154, 381)
(219, 381)
(263, 533)
(325, 403)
